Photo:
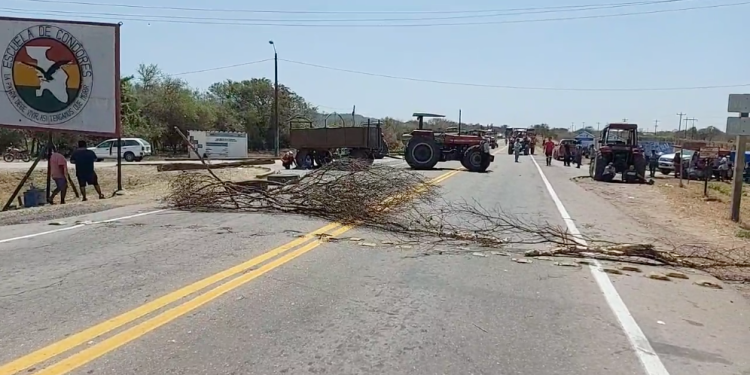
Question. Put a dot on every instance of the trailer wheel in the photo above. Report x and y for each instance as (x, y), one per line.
(472, 160)
(301, 157)
(422, 153)
(383, 151)
(323, 157)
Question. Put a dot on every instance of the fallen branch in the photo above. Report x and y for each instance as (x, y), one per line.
(403, 203)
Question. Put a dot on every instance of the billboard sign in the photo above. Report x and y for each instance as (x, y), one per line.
(60, 75)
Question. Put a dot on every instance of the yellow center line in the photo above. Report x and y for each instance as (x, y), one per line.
(91, 333)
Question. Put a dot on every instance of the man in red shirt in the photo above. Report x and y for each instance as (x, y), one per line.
(59, 172)
(548, 147)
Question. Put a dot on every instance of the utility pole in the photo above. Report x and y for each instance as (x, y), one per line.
(656, 126)
(572, 126)
(739, 127)
(275, 98)
(692, 123)
(679, 124)
(625, 120)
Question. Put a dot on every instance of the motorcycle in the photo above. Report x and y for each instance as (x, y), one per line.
(11, 154)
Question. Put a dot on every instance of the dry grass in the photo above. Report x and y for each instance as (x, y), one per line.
(689, 201)
(142, 182)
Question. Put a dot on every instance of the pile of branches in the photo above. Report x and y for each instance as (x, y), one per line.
(405, 204)
(347, 192)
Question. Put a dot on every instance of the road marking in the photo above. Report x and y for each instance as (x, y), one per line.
(650, 361)
(95, 351)
(91, 333)
(78, 226)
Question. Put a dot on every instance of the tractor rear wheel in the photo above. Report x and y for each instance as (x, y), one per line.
(422, 153)
(473, 161)
(639, 161)
(596, 168)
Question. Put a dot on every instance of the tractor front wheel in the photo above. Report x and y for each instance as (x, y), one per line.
(422, 153)
(473, 160)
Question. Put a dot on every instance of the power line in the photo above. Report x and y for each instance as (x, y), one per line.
(203, 21)
(511, 87)
(350, 12)
(220, 67)
(472, 16)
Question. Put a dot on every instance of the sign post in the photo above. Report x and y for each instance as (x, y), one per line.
(739, 127)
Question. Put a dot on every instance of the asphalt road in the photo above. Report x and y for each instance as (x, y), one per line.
(118, 296)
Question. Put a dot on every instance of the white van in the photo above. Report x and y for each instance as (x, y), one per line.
(133, 149)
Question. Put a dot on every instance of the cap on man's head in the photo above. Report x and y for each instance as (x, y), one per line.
(81, 143)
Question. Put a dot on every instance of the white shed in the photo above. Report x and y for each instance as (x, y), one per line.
(218, 145)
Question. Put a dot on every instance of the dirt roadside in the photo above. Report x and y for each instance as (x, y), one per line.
(683, 216)
(143, 184)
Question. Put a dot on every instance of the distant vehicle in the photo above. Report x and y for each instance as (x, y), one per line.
(666, 161)
(426, 148)
(619, 146)
(559, 151)
(133, 149)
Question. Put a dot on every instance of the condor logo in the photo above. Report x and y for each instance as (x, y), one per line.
(50, 78)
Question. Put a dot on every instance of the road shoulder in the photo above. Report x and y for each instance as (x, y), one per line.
(694, 329)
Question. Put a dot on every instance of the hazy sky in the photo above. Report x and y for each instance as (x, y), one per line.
(697, 47)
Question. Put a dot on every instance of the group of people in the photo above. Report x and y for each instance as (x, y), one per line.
(84, 160)
(719, 166)
(570, 153)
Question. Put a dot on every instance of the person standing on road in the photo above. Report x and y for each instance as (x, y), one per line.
(549, 146)
(58, 172)
(677, 163)
(485, 151)
(566, 154)
(579, 156)
(84, 160)
(517, 149)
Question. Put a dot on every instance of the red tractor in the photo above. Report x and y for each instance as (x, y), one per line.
(426, 148)
(619, 146)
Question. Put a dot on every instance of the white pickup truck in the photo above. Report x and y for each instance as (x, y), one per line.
(666, 161)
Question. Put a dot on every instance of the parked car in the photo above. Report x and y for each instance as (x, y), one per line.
(133, 149)
(666, 161)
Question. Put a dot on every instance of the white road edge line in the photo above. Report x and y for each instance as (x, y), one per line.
(78, 226)
(650, 361)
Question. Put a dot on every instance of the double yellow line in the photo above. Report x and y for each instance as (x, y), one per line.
(244, 270)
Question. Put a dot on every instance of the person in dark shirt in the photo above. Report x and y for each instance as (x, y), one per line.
(653, 163)
(84, 159)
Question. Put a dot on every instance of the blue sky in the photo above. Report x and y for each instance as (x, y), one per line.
(702, 47)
